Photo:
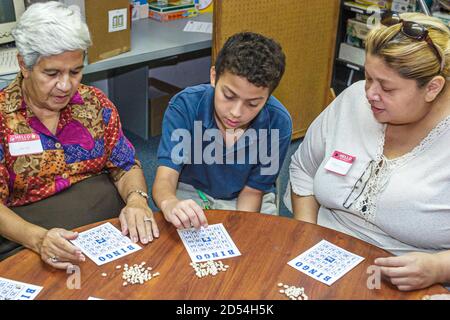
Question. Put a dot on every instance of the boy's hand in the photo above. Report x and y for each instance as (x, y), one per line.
(184, 214)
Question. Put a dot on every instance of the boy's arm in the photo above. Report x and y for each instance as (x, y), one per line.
(249, 199)
(181, 213)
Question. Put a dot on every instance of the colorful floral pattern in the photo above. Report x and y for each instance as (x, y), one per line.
(88, 140)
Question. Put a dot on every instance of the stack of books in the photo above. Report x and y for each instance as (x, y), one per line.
(171, 10)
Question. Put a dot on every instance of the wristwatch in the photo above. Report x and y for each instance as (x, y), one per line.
(140, 192)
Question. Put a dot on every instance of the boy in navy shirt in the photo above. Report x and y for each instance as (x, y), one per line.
(223, 144)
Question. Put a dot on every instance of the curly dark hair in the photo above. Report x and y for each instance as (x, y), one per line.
(251, 55)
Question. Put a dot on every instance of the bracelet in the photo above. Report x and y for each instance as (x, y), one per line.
(140, 192)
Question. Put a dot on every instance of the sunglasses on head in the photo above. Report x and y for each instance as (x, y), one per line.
(414, 31)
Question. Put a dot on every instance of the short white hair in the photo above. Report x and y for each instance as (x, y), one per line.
(50, 28)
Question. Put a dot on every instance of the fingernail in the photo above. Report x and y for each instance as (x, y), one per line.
(83, 258)
(135, 239)
(144, 240)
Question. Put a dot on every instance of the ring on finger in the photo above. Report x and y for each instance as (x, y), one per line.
(54, 259)
(147, 219)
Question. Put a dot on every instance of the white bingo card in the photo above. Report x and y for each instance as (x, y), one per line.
(325, 262)
(211, 243)
(104, 244)
(15, 290)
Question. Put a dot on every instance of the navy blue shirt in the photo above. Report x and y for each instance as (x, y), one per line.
(192, 144)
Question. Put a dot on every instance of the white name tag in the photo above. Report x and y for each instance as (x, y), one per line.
(24, 144)
(340, 163)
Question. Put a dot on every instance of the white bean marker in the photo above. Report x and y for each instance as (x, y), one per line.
(293, 292)
(104, 274)
(208, 268)
(137, 274)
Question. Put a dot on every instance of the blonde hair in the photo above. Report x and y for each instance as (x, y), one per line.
(412, 59)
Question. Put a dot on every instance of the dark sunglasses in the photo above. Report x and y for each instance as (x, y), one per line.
(414, 31)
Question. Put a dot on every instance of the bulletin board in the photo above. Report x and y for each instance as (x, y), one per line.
(306, 29)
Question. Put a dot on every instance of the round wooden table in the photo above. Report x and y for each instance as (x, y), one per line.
(266, 243)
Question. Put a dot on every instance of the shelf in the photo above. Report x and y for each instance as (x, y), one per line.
(349, 62)
(356, 7)
(350, 65)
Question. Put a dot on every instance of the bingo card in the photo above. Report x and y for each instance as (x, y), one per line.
(325, 262)
(15, 290)
(211, 243)
(104, 244)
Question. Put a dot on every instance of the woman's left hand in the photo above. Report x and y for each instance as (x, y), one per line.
(412, 271)
(137, 219)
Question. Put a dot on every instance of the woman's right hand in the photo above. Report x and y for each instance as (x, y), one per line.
(57, 251)
(184, 213)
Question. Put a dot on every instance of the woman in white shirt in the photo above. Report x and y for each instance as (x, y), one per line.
(376, 163)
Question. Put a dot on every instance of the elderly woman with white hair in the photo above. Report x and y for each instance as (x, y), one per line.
(64, 160)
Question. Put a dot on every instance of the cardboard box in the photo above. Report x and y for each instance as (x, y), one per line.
(357, 29)
(109, 22)
(139, 10)
(160, 93)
